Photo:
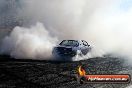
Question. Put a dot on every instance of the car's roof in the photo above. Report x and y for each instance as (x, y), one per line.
(73, 40)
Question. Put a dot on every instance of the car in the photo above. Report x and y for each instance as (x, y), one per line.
(68, 49)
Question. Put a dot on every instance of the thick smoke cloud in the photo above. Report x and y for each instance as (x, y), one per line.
(33, 43)
(106, 25)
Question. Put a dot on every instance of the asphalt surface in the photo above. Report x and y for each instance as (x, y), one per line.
(50, 74)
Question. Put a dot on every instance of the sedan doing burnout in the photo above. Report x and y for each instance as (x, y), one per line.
(70, 48)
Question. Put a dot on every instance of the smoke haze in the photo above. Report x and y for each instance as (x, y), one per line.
(29, 42)
(106, 25)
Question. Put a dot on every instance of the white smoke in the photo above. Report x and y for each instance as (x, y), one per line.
(32, 43)
(106, 25)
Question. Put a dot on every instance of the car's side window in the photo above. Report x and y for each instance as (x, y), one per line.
(85, 43)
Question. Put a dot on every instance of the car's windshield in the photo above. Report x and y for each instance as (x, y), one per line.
(73, 43)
